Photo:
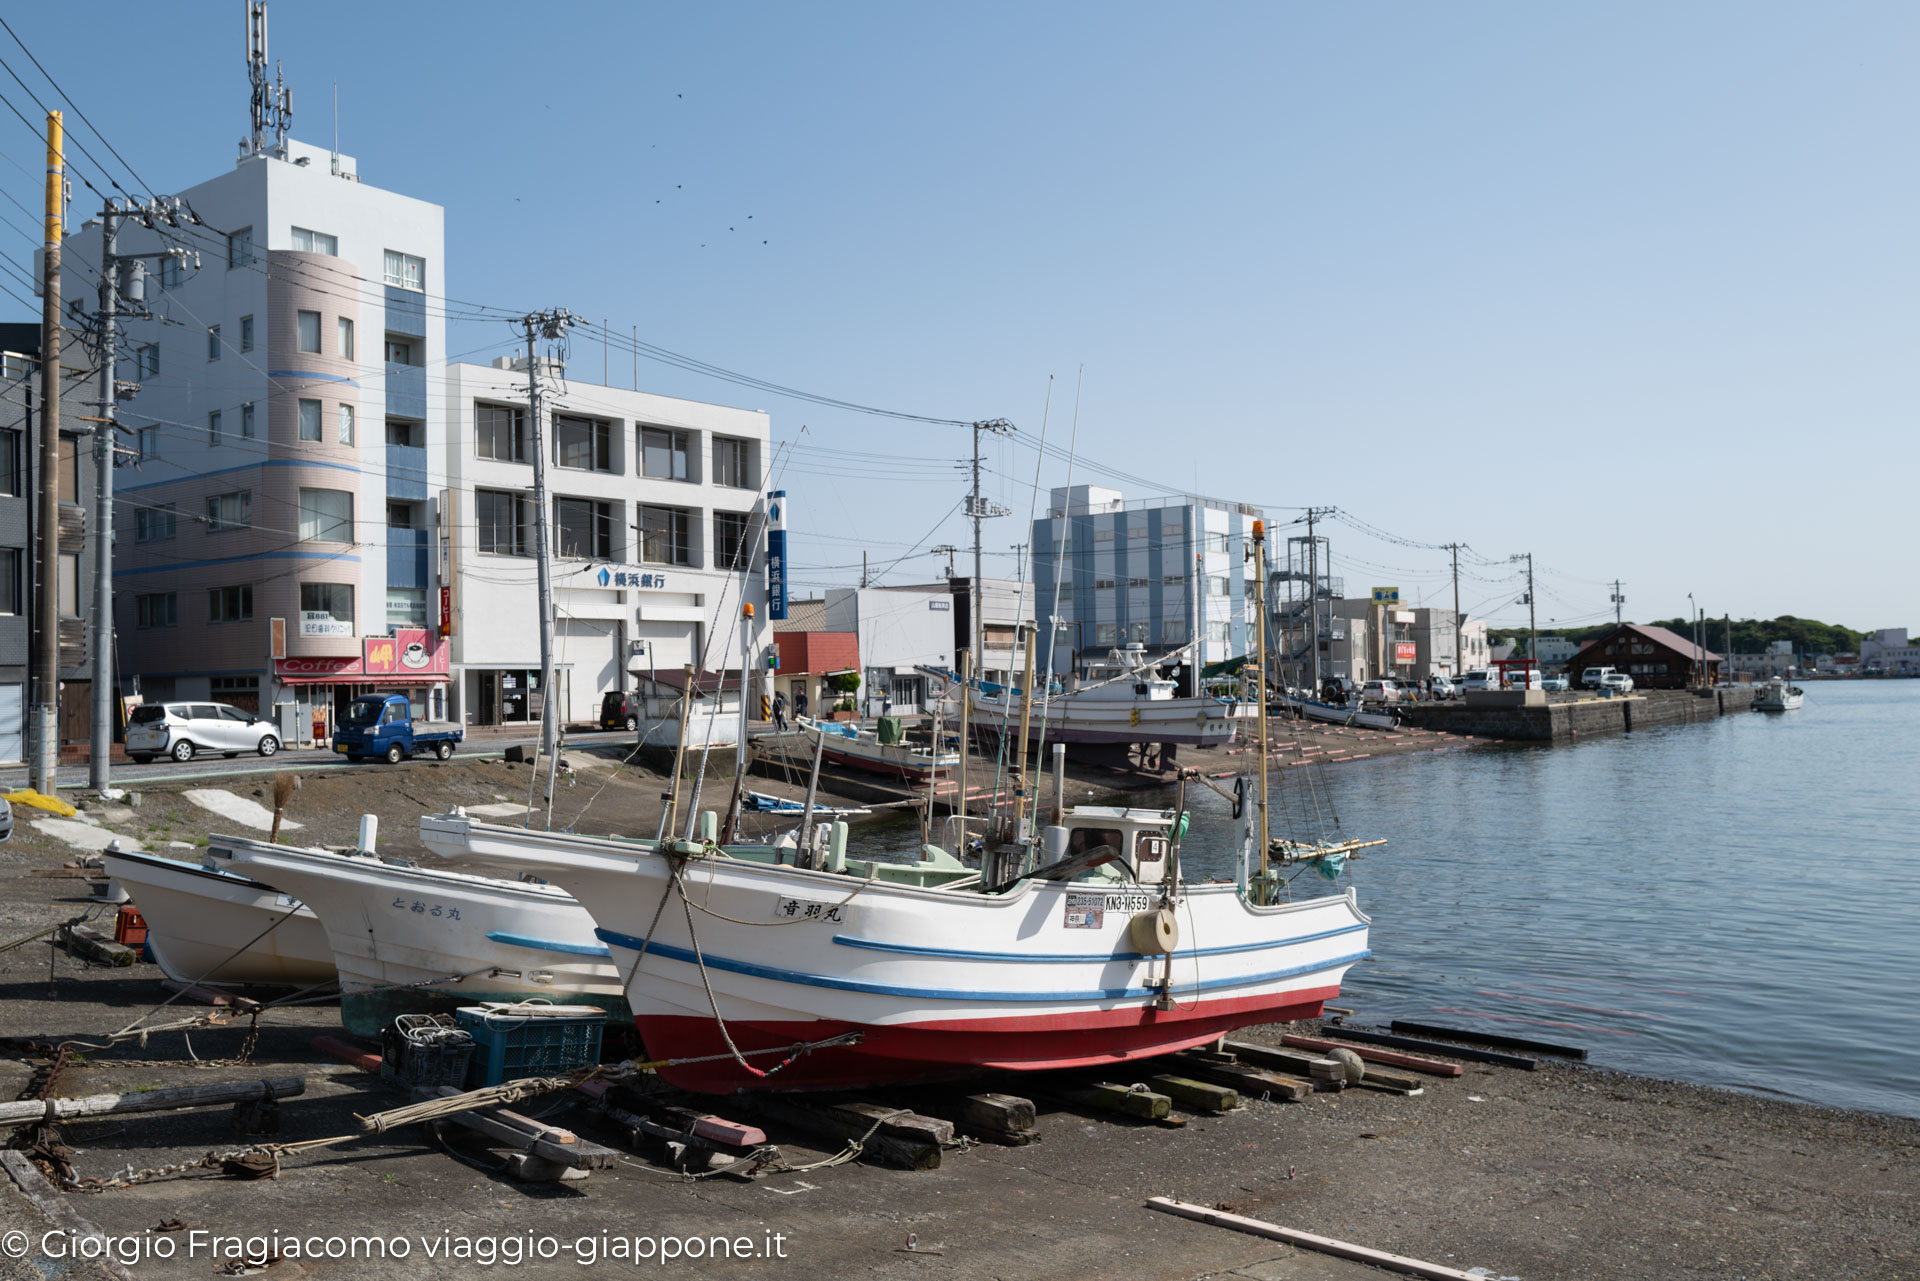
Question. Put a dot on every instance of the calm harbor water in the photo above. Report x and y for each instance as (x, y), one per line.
(1734, 903)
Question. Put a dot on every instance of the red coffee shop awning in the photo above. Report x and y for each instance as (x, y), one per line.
(408, 657)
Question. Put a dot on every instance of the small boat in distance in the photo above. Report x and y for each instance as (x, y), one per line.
(209, 925)
(1776, 695)
(1339, 715)
(847, 744)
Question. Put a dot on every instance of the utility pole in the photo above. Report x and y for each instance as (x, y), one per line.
(1727, 670)
(1527, 600)
(1313, 593)
(949, 551)
(552, 325)
(978, 509)
(46, 640)
(1458, 622)
(1618, 601)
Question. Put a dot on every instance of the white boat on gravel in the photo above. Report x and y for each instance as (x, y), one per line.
(410, 939)
(208, 925)
(1336, 714)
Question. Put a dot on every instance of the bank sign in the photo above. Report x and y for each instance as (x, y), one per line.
(648, 579)
(777, 554)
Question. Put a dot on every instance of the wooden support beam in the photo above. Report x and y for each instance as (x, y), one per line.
(1494, 1039)
(210, 996)
(1005, 1119)
(351, 1055)
(544, 1143)
(897, 1122)
(1364, 1037)
(1105, 1096)
(1329, 1073)
(1392, 1058)
(1309, 1241)
(189, 1096)
(882, 1149)
(1196, 1096)
(1251, 1082)
(715, 1129)
(90, 944)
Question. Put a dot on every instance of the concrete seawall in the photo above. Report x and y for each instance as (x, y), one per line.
(1558, 722)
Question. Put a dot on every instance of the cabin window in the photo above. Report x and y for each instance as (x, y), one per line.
(1086, 838)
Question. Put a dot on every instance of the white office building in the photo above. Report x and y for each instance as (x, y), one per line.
(657, 506)
(899, 630)
(1157, 572)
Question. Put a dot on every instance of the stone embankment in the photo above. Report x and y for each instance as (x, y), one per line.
(1565, 720)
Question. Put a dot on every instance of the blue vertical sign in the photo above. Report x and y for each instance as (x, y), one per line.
(777, 554)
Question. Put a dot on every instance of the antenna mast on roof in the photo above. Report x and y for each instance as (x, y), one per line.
(271, 106)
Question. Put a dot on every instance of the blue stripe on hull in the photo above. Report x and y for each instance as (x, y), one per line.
(547, 945)
(848, 940)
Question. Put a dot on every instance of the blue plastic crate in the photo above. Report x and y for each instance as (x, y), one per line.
(510, 1042)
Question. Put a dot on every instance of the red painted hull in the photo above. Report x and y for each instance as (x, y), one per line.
(944, 1050)
(867, 765)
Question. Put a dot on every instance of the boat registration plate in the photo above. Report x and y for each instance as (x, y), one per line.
(1088, 911)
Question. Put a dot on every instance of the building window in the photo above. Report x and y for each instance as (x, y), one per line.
(240, 248)
(316, 242)
(505, 524)
(733, 463)
(310, 420)
(10, 470)
(1219, 585)
(406, 607)
(399, 515)
(399, 352)
(246, 333)
(730, 549)
(246, 421)
(309, 330)
(1136, 531)
(146, 360)
(158, 609)
(663, 454)
(1138, 582)
(9, 580)
(229, 511)
(213, 342)
(1216, 542)
(404, 271)
(583, 444)
(1103, 535)
(153, 524)
(70, 484)
(1103, 584)
(230, 604)
(345, 335)
(1173, 580)
(346, 423)
(583, 529)
(326, 515)
(332, 600)
(663, 536)
(1173, 631)
(148, 443)
(213, 428)
(399, 431)
(1217, 633)
(169, 273)
(69, 587)
(501, 433)
(1106, 634)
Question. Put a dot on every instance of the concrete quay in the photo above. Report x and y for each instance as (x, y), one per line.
(1515, 717)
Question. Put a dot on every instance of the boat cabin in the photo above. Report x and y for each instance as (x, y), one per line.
(1139, 837)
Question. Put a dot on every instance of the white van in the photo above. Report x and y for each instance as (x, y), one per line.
(1595, 677)
(1479, 680)
(184, 730)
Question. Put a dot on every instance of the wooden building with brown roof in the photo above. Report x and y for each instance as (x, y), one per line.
(1655, 657)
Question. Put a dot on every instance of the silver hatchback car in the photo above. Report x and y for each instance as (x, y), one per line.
(185, 730)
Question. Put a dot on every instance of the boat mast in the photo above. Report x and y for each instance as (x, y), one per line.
(1260, 687)
(966, 707)
(1026, 720)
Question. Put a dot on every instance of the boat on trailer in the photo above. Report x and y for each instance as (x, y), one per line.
(209, 925)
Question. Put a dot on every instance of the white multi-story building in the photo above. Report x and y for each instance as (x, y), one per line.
(271, 535)
(1889, 650)
(1155, 572)
(899, 630)
(658, 518)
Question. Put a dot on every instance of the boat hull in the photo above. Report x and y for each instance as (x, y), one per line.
(1199, 722)
(215, 927)
(1337, 715)
(938, 983)
(392, 924)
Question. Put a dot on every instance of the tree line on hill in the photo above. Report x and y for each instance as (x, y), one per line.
(1750, 635)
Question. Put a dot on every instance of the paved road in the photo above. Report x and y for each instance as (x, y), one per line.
(215, 766)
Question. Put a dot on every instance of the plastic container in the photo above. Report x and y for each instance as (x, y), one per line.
(425, 1049)
(514, 1041)
(129, 927)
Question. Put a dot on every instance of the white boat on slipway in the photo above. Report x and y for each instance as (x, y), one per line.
(411, 939)
(1122, 700)
(209, 925)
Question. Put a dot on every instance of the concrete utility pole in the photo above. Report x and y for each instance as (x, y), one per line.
(46, 638)
(978, 509)
(1533, 632)
(1618, 601)
(100, 745)
(1458, 621)
(551, 325)
(1313, 592)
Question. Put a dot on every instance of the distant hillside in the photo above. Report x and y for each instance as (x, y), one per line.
(1750, 635)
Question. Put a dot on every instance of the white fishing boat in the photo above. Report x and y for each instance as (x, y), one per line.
(410, 939)
(846, 744)
(1776, 695)
(1073, 965)
(1339, 715)
(209, 925)
(1125, 699)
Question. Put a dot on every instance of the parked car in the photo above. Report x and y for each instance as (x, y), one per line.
(1479, 680)
(1443, 687)
(382, 725)
(1617, 682)
(185, 730)
(1338, 690)
(1526, 678)
(1593, 676)
(620, 711)
(1555, 684)
(1381, 692)
(6, 819)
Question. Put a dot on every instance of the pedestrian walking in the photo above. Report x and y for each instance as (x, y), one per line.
(799, 704)
(780, 712)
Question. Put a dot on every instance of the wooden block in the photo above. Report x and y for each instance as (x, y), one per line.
(882, 1149)
(1316, 1067)
(691, 1121)
(1109, 1097)
(352, 1055)
(900, 1124)
(1488, 1038)
(1196, 1096)
(1391, 1058)
(1251, 1082)
(210, 996)
(1392, 1041)
(1006, 1113)
(85, 941)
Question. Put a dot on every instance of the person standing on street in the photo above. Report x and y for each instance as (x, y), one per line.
(780, 712)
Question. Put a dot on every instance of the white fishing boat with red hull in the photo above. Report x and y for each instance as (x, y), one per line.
(1098, 955)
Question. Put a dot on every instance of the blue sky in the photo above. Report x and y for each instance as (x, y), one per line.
(1632, 287)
